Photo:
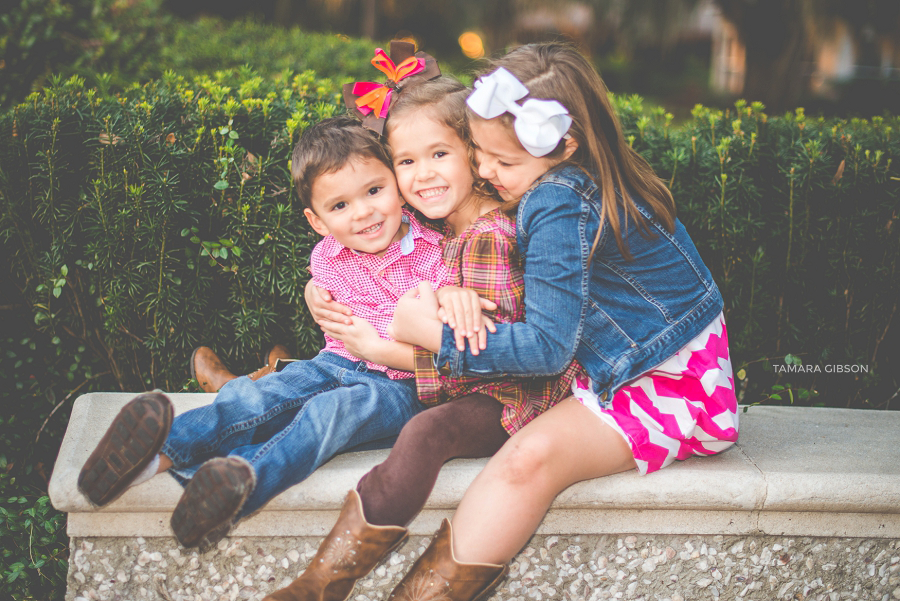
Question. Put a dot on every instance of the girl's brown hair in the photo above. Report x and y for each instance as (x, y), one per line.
(445, 100)
(559, 72)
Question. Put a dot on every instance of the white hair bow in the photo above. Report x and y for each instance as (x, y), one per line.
(539, 124)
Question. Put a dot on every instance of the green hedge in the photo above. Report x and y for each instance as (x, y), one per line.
(142, 224)
(113, 44)
(208, 45)
(87, 37)
(795, 216)
(149, 222)
(139, 226)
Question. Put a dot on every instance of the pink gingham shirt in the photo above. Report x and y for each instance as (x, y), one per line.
(371, 285)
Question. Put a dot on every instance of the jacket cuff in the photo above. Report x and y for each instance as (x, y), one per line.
(448, 360)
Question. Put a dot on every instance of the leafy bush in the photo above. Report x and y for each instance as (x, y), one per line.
(146, 224)
(40, 373)
(116, 38)
(795, 216)
(208, 45)
(112, 44)
(142, 224)
(150, 222)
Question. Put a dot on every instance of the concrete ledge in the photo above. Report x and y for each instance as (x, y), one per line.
(805, 506)
(796, 471)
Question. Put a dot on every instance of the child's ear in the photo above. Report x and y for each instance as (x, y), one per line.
(571, 147)
(316, 223)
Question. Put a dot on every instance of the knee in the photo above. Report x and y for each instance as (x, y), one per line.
(425, 429)
(526, 462)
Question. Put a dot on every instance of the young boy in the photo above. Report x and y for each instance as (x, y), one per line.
(260, 437)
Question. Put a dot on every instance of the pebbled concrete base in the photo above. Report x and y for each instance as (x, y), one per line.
(571, 568)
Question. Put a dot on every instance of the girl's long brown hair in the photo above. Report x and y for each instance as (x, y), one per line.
(559, 72)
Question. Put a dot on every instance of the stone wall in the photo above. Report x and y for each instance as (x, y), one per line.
(571, 568)
(806, 506)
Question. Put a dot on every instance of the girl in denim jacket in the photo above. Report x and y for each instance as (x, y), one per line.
(612, 279)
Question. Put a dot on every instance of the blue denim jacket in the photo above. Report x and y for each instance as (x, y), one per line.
(619, 318)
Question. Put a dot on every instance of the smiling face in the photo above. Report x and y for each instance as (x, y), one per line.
(359, 205)
(432, 167)
(504, 162)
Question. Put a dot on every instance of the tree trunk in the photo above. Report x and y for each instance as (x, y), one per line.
(775, 34)
(282, 12)
(498, 22)
(369, 24)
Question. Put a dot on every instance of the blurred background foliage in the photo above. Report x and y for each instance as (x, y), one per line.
(835, 56)
(145, 203)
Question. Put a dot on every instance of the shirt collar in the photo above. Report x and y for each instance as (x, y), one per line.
(407, 243)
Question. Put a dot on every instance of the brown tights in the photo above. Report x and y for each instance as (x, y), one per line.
(395, 491)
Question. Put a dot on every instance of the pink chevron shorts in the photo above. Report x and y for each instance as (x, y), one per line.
(684, 407)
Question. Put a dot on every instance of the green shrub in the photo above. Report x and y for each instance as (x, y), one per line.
(209, 45)
(39, 373)
(87, 37)
(34, 544)
(142, 224)
(113, 44)
(151, 222)
(796, 218)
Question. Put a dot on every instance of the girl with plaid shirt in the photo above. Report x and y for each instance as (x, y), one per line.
(433, 161)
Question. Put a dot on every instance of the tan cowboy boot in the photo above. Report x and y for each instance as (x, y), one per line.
(350, 551)
(208, 369)
(437, 574)
(279, 351)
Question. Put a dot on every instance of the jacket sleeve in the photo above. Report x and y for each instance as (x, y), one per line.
(552, 235)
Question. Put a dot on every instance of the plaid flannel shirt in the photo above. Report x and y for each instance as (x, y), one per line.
(485, 259)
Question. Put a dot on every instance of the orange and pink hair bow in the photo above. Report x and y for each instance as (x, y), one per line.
(372, 101)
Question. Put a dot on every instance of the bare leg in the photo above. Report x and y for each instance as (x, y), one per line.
(164, 463)
(507, 501)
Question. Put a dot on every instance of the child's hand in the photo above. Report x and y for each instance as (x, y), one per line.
(323, 308)
(415, 319)
(360, 338)
(478, 340)
(461, 310)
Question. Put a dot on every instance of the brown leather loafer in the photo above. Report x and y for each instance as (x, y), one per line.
(279, 351)
(208, 369)
(211, 500)
(133, 439)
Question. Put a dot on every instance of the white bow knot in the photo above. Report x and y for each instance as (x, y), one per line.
(539, 124)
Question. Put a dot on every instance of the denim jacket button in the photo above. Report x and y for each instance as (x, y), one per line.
(444, 369)
(603, 396)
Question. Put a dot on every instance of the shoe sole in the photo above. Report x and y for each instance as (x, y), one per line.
(211, 500)
(193, 370)
(134, 438)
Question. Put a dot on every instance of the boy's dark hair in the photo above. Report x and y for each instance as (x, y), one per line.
(326, 147)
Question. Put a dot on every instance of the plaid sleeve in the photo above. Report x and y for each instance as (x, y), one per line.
(489, 265)
(428, 380)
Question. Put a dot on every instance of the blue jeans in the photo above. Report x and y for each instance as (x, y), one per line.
(289, 423)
